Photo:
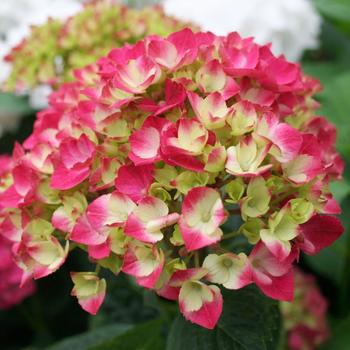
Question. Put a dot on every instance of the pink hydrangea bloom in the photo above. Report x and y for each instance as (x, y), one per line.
(10, 278)
(306, 316)
(143, 158)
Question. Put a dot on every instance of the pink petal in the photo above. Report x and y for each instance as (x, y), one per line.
(319, 232)
(100, 251)
(84, 232)
(175, 95)
(64, 179)
(134, 181)
(61, 221)
(75, 151)
(135, 228)
(194, 239)
(145, 145)
(208, 315)
(92, 304)
(151, 280)
(280, 288)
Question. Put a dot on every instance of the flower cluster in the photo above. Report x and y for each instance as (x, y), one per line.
(16, 17)
(10, 274)
(291, 26)
(80, 40)
(144, 160)
(305, 318)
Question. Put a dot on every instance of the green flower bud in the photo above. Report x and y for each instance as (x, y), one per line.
(47, 194)
(215, 158)
(301, 210)
(235, 189)
(189, 179)
(156, 190)
(112, 263)
(256, 203)
(176, 238)
(276, 184)
(251, 229)
(165, 175)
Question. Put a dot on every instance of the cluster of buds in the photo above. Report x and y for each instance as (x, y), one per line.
(305, 318)
(11, 290)
(144, 159)
(81, 40)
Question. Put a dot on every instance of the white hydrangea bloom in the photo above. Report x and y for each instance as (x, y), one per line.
(16, 17)
(290, 25)
(38, 97)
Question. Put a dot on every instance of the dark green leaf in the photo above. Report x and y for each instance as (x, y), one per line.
(250, 321)
(340, 336)
(145, 336)
(91, 339)
(324, 71)
(124, 303)
(336, 107)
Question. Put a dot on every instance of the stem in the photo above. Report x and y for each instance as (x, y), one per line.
(230, 235)
(282, 197)
(188, 258)
(196, 259)
(97, 269)
(220, 182)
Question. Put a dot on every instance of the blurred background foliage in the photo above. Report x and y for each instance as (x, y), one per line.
(52, 314)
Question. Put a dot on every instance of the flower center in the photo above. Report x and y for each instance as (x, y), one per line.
(227, 263)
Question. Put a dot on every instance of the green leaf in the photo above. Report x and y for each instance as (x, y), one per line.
(146, 336)
(124, 303)
(336, 107)
(15, 104)
(250, 321)
(335, 9)
(340, 189)
(90, 339)
(340, 336)
(324, 71)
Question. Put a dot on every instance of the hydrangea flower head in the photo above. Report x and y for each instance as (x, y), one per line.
(80, 40)
(11, 276)
(17, 17)
(305, 318)
(144, 159)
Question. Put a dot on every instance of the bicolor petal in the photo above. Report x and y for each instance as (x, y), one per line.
(286, 140)
(243, 118)
(231, 270)
(109, 209)
(145, 262)
(211, 111)
(273, 277)
(89, 289)
(136, 75)
(247, 157)
(202, 214)
(201, 304)
(148, 219)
